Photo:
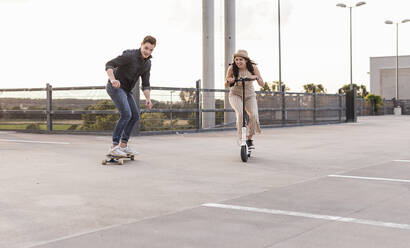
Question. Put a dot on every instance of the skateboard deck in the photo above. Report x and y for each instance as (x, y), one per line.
(111, 159)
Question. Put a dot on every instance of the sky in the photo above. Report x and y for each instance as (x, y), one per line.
(68, 42)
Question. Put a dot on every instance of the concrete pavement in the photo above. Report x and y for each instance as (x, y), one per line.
(54, 192)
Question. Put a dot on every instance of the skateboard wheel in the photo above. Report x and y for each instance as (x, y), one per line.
(121, 161)
(104, 162)
(132, 157)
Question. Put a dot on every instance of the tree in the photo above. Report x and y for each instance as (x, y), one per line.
(361, 90)
(375, 100)
(266, 87)
(309, 88)
(266, 90)
(275, 86)
(219, 116)
(33, 127)
(99, 122)
(152, 121)
(188, 97)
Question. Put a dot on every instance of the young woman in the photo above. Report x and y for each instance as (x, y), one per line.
(123, 73)
(244, 67)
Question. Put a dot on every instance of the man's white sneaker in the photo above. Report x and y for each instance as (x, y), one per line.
(128, 151)
(116, 151)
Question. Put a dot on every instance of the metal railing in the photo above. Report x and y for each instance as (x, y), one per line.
(366, 108)
(90, 110)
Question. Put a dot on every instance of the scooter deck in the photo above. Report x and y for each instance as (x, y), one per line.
(250, 151)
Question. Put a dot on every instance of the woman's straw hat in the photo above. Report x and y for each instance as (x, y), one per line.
(241, 53)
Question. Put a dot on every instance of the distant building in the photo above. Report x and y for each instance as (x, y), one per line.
(383, 76)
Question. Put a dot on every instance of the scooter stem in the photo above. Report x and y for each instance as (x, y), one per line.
(243, 113)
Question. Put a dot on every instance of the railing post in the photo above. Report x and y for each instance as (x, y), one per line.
(137, 95)
(384, 106)
(362, 101)
(170, 113)
(351, 110)
(314, 105)
(49, 107)
(340, 105)
(198, 105)
(273, 105)
(284, 115)
(298, 96)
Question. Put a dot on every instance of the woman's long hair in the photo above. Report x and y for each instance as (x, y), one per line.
(249, 66)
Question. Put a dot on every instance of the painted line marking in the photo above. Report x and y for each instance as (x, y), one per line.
(372, 178)
(36, 142)
(309, 215)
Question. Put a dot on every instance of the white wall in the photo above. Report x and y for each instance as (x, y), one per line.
(383, 76)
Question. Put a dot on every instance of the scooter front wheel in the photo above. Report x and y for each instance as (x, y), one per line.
(244, 154)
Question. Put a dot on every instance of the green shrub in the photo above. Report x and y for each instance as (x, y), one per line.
(33, 127)
(375, 100)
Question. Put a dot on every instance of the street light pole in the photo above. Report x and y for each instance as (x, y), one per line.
(397, 52)
(342, 5)
(351, 51)
(397, 61)
(280, 55)
(351, 111)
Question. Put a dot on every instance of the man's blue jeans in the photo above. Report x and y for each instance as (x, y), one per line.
(129, 113)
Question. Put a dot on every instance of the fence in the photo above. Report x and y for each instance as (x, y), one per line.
(90, 110)
(365, 108)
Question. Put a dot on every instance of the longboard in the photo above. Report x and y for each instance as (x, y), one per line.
(111, 159)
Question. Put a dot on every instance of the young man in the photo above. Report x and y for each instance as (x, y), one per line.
(123, 73)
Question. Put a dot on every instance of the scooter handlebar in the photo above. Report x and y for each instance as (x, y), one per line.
(243, 80)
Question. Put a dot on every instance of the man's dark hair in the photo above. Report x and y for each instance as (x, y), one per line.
(150, 40)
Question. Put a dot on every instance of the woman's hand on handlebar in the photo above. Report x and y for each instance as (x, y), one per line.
(230, 80)
(253, 77)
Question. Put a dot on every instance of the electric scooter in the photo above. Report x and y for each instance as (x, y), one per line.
(245, 151)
